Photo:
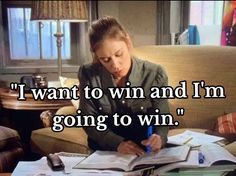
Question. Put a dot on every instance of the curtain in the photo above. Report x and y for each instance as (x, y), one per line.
(84, 55)
(163, 23)
(172, 17)
(93, 10)
(184, 15)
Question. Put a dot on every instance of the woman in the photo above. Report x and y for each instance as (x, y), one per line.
(113, 66)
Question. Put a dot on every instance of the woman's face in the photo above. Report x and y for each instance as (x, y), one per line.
(115, 56)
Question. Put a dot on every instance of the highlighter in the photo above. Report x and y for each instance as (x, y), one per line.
(149, 133)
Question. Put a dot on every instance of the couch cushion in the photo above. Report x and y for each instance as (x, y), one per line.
(8, 137)
(195, 63)
(227, 124)
(67, 110)
(45, 141)
(231, 148)
(9, 159)
(69, 83)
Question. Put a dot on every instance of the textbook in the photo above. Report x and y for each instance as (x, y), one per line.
(215, 154)
(126, 162)
(216, 158)
(190, 162)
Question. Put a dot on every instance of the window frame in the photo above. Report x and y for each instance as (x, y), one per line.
(40, 65)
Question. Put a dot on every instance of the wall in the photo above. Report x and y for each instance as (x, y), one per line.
(138, 17)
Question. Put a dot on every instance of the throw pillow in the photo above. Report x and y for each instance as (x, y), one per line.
(69, 83)
(225, 126)
(227, 123)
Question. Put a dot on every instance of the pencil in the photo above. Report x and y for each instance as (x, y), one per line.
(188, 140)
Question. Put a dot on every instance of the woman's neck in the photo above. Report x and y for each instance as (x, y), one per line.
(120, 81)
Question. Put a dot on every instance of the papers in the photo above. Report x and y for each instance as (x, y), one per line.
(193, 139)
(41, 168)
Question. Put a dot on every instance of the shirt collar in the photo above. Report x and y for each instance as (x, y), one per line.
(134, 76)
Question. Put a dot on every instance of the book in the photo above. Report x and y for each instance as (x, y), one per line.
(216, 159)
(215, 154)
(126, 162)
(193, 139)
(215, 170)
(191, 162)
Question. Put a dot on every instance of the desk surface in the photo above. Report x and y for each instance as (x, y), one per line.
(5, 174)
(8, 100)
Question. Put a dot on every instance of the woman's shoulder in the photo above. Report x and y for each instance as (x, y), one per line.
(150, 67)
(89, 68)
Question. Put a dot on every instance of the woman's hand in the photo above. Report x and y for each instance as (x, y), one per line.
(154, 141)
(129, 147)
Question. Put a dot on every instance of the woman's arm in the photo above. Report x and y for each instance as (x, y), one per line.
(162, 104)
(107, 140)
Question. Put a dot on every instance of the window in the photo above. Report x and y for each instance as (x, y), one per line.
(30, 40)
(206, 12)
(207, 16)
(29, 45)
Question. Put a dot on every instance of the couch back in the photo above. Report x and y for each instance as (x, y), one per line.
(213, 64)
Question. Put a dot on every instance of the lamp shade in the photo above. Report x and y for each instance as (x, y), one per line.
(72, 11)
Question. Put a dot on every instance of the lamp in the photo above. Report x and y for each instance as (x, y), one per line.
(70, 11)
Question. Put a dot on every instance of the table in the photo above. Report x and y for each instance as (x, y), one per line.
(24, 115)
(71, 159)
(5, 174)
(9, 101)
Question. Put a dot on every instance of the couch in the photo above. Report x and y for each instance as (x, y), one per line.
(213, 64)
(11, 150)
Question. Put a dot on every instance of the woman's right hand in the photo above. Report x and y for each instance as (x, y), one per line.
(129, 147)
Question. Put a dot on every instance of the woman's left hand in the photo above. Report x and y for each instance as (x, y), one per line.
(154, 141)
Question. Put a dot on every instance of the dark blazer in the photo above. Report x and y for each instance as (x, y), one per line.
(143, 74)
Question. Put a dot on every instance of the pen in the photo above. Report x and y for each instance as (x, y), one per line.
(201, 158)
(188, 140)
(149, 133)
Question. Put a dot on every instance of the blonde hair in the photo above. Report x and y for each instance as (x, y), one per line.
(103, 28)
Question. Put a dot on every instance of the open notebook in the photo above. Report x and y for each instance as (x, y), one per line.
(117, 161)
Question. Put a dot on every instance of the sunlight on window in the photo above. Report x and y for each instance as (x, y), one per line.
(207, 17)
(206, 12)
(30, 40)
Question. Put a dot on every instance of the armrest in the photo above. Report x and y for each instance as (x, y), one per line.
(46, 116)
(66, 110)
(9, 138)
(231, 148)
